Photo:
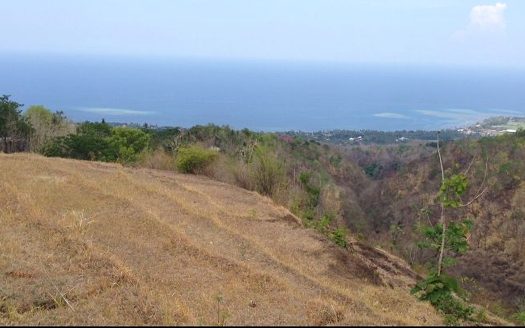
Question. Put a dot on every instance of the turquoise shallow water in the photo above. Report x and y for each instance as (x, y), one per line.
(263, 96)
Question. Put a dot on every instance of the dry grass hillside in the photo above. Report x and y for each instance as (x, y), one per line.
(92, 243)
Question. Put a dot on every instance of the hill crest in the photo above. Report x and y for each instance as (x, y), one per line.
(96, 243)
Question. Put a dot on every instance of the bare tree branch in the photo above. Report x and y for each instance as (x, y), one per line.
(473, 199)
(469, 166)
(442, 218)
(480, 192)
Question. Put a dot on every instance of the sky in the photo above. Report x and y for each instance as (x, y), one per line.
(418, 32)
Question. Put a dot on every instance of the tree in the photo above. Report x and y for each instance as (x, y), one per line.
(448, 239)
(100, 142)
(46, 125)
(128, 143)
(14, 129)
(450, 197)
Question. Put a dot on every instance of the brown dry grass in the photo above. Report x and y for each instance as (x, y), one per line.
(93, 243)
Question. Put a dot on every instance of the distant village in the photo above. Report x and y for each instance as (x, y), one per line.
(490, 127)
(495, 126)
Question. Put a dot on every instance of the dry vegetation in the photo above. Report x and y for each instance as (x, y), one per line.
(493, 270)
(92, 243)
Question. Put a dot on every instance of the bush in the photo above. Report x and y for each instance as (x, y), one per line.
(268, 172)
(127, 143)
(56, 147)
(373, 170)
(440, 292)
(79, 146)
(99, 142)
(339, 237)
(194, 159)
(519, 317)
(313, 191)
(323, 223)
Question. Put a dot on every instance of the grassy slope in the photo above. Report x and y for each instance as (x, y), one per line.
(143, 246)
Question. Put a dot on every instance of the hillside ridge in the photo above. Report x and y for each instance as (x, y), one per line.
(97, 243)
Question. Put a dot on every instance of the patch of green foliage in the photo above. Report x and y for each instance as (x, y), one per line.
(373, 170)
(99, 142)
(12, 123)
(338, 236)
(128, 143)
(313, 191)
(193, 159)
(443, 291)
(451, 190)
(440, 291)
(336, 160)
(519, 317)
(323, 224)
(455, 238)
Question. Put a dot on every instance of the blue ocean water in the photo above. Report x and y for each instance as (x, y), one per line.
(268, 96)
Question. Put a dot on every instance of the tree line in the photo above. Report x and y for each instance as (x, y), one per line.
(38, 129)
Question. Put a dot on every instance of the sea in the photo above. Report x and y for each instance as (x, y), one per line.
(263, 95)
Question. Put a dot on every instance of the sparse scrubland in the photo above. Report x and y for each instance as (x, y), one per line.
(95, 243)
(173, 248)
(492, 271)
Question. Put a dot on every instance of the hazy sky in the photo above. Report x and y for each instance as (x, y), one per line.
(376, 31)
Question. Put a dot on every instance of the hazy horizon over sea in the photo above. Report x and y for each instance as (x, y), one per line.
(268, 96)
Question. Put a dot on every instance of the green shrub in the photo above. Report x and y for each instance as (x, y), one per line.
(314, 192)
(56, 147)
(323, 223)
(338, 236)
(519, 317)
(373, 170)
(308, 214)
(336, 160)
(194, 159)
(440, 291)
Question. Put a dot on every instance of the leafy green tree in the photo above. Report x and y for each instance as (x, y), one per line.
(128, 143)
(447, 239)
(100, 142)
(95, 129)
(13, 126)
